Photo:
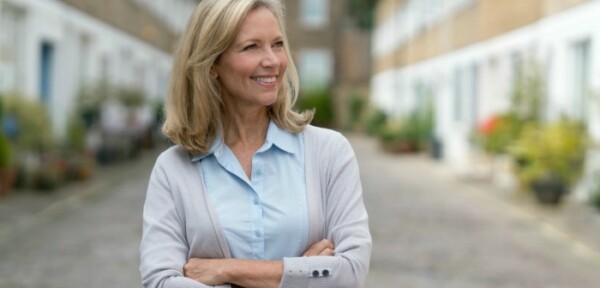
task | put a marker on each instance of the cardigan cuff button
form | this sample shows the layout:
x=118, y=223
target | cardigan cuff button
x=325, y=273
x=315, y=273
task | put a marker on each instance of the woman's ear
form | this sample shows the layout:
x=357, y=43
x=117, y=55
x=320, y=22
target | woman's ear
x=213, y=74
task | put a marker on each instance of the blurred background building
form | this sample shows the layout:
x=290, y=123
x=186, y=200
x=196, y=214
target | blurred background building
x=331, y=51
x=470, y=59
x=51, y=49
x=91, y=76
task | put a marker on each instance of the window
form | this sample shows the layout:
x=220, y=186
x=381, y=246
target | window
x=581, y=75
x=314, y=13
x=316, y=68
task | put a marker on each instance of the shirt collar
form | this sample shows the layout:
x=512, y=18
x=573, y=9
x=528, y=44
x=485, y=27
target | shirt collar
x=284, y=140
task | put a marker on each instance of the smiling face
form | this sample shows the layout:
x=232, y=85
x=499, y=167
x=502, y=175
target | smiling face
x=252, y=69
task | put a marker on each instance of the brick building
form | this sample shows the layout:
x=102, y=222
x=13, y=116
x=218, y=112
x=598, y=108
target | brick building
x=329, y=50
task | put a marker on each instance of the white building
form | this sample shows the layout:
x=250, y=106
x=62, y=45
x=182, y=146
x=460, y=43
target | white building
x=49, y=49
x=466, y=52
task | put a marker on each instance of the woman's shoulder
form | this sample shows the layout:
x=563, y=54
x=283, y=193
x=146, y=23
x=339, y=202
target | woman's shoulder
x=174, y=155
x=324, y=137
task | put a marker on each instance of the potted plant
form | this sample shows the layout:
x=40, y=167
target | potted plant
x=595, y=190
x=7, y=173
x=80, y=163
x=396, y=137
x=549, y=158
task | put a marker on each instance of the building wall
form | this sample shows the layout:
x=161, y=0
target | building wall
x=116, y=41
x=469, y=57
x=334, y=54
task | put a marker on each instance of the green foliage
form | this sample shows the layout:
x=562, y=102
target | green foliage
x=557, y=149
x=499, y=133
x=356, y=109
x=414, y=130
x=375, y=121
x=131, y=97
x=362, y=12
x=90, y=99
x=5, y=149
x=596, y=190
x=35, y=130
x=527, y=95
x=5, y=152
x=321, y=101
x=76, y=133
x=159, y=113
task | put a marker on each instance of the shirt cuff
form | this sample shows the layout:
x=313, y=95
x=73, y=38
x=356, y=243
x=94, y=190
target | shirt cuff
x=295, y=272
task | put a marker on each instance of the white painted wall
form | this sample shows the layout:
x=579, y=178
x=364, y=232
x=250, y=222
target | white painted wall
x=127, y=60
x=549, y=40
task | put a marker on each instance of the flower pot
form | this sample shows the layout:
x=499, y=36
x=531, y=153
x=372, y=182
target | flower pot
x=7, y=181
x=549, y=190
x=399, y=146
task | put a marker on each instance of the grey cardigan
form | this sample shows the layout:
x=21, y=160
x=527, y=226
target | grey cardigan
x=180, y=223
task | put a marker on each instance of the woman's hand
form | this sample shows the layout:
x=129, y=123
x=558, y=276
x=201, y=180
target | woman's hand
x=321, y=248
x=240, y=272
x=211, y=272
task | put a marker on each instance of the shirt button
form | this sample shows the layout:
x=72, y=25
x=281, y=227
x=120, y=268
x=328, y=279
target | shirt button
x=255, y=201
x=257, y=233
x=258, y=172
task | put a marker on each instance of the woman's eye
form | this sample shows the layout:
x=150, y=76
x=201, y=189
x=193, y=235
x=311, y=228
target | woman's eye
x=249, y=47
x=278, y=44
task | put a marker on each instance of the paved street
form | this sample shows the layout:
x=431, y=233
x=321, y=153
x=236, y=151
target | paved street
x=428, y=232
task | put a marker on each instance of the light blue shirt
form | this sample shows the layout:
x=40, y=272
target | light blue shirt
x=265, y=217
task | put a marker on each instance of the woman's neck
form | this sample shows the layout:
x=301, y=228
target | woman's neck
x=248, y=128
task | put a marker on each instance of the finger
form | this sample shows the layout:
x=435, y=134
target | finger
x=327, y=252
x=318, y=247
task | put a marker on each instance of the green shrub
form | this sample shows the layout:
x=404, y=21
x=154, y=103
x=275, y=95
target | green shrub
x=76, y=134
x=131, y=97
x=498, y=133
x=375, y=121
x=356, y=108
x=414, y=130
x=34, y=128
x=596, y=199
x=595, y=190
x=5, y=152
x=556, y=149
x=321, y=101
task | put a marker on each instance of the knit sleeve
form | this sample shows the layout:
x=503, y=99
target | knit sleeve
x=346, y=226
x=164, y=248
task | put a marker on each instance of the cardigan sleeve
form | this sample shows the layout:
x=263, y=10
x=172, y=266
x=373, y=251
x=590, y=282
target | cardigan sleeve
x=164, y=248
x=346, y=226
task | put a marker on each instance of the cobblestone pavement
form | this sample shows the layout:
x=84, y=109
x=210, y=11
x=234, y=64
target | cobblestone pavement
x=428, y=231
x=88, y=239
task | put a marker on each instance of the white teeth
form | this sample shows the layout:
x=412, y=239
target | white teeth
x=265, y=79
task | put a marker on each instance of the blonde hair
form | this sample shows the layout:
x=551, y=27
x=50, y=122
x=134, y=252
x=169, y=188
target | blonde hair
x=194, y=107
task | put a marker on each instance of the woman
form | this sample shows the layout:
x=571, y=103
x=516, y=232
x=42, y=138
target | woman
x=251, y=195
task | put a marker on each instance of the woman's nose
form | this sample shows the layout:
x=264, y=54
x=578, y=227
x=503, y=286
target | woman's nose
x=270, y=58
